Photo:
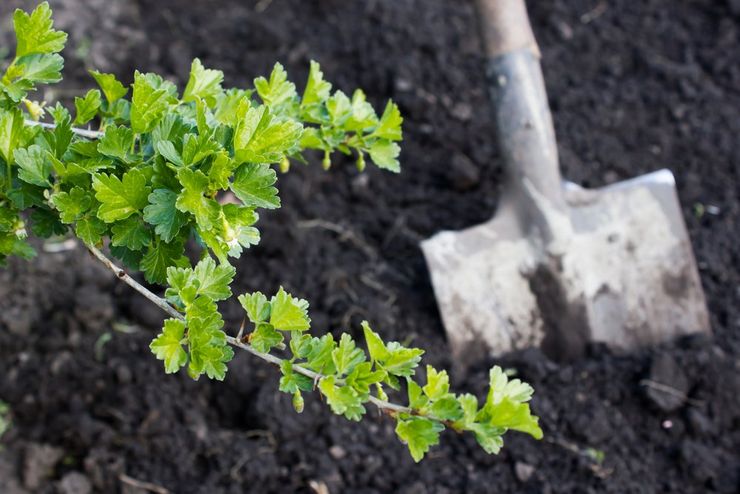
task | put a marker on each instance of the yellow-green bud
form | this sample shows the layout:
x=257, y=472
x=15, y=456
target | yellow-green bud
x=298, y=402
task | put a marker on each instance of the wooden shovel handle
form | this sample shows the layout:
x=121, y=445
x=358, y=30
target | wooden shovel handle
x=505, y=27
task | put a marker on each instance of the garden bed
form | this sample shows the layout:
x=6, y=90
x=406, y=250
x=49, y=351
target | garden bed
x=633, y=88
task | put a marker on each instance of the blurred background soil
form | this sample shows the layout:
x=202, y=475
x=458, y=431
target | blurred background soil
x=634, y=87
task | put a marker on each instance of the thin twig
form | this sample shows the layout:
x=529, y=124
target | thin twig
x=140, y=484
x=90, y=134
x=237, y=342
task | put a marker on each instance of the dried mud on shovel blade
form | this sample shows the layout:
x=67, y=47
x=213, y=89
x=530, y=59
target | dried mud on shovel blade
x=625, y=275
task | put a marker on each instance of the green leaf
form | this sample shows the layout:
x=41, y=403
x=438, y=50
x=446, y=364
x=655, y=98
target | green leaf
x=438, y=383
x=117, y=143
x=196, y=148
x=90, y=230
x=238, y=231
x=278, y=91
x=363, y=376
x=191, y=199
x=45, y=223
x=339, y=108
x=363, y=114
x=346, y=356
x=150, y=100
x=87, y=107
x=288, y=313
x=118, y=198
x=259, y=137
x=319, y=355
x=375, y=345
x=384, y=154
x=207, y=279
x=419, y=434
x=253, y=185
x=343, y=400
x=446, y=408
x=111, y=87
x=291, y=381
x=131, y=233
x=489, y=437
x=160, y=256
x=209, y=351
x=317, y=89
x=168, y=346
x=162, y=213
x=71, y=204
x=37, y=68
x=11, y=132
x=203, y=83
x=401, y=361
x=417, y=399
x=35, y=34
x=33, y=166
x=256, y=306
x=506, y=405
x=213, y=280
x=389, y=126
x=264, y=338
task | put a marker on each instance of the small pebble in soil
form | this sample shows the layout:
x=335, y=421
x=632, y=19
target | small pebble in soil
x=463, y=173
x=523, y=471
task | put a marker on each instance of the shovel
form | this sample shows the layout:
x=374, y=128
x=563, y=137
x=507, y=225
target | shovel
x=560, y=266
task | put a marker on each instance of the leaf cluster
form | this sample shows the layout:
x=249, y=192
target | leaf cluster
x=165, y=168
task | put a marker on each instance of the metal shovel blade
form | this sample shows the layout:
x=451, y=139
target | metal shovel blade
x=623, y=274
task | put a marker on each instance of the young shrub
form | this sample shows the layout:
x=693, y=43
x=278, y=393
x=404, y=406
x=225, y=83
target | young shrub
x=149, y=179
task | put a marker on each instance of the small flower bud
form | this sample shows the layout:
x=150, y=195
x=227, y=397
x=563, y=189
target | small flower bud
x=361, y=162
x=298, y=402
x=285, y=165
x=326, y=164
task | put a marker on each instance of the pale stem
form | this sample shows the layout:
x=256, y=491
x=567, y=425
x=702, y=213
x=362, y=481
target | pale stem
x=169, y=309
x=90, y=134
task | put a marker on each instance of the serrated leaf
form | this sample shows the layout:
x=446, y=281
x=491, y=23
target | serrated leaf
x=150, y=100
x=196, y=148
x=390, y=123
x=417, y=399
x=253, y=185
x=419, y=434
x=118, y=198
x=489, y=437
x=164, y=215
x=375, y=346
x=317, y=89
x=401, y=361
x=45, y=223
x=339, y=108
x=278, y=91
x=343, y=400
x=87, y=107
x=168, y=346
x=438, y=383
x=203, y=83
x=346, y=356
x=256, y=306
x=11, y=132
x=33, y=167
x=506, y=405
x=363, y=376
x=291, y=381
x=319, y=357
x=446, y=408
x=264, y=338
x=213, y=279
x=37, y=68
x=131, y=233
x=71, y=204
x=363, y=115
x=191, y=199
x=259, y=137
x=288, y=313
x=111, y=87
x=116, y=143
x=35, y=33
x=160, y=256
x=384, y=154
x=90, y=229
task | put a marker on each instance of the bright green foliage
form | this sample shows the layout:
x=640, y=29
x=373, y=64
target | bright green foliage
x=87, y=107
x=157, y=174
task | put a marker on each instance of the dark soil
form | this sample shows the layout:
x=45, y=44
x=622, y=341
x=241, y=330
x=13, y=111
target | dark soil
x=634, y=86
